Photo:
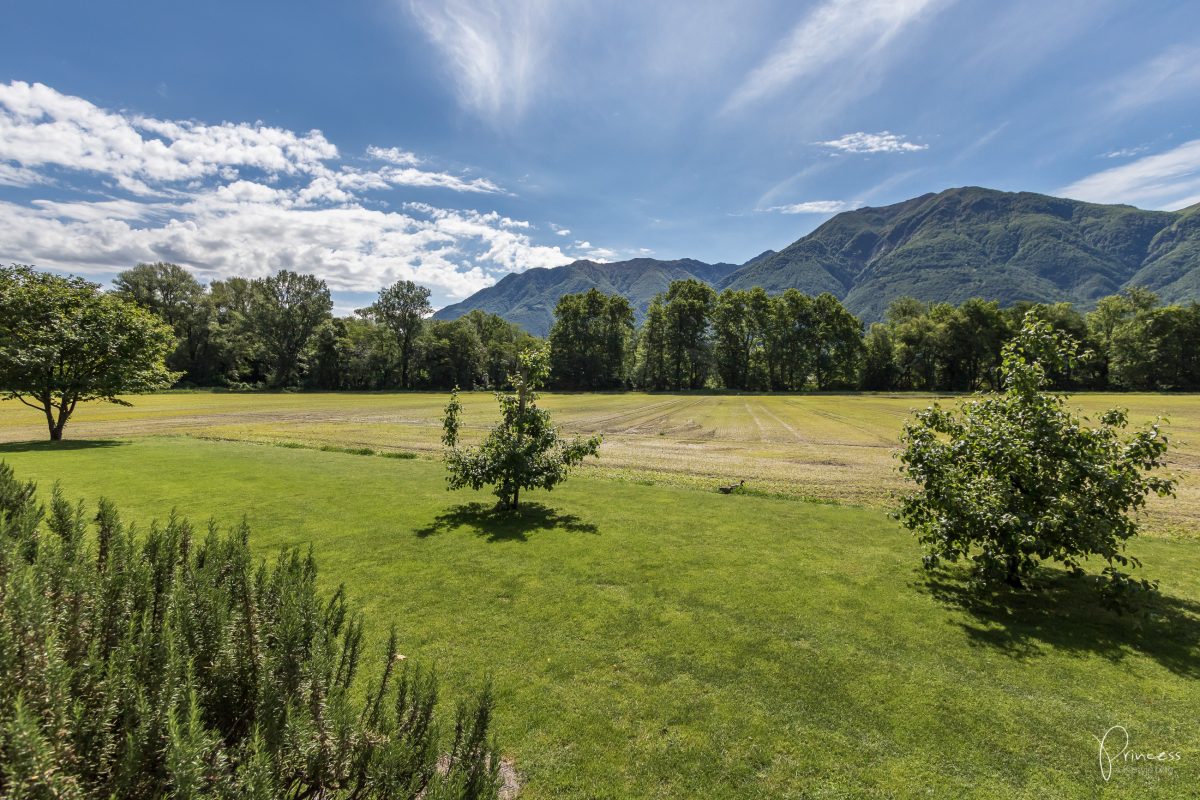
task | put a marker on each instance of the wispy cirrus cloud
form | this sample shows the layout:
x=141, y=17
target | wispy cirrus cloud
x=1170, y=74
x=882, y=142
x=814, y=207
x=237, y=199
x=834, y=32
x=1168, y=180
x=496, y=52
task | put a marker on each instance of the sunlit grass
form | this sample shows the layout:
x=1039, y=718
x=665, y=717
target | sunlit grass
x=651, y=640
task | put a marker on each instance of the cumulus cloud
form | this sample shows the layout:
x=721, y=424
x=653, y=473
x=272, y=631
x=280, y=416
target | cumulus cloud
x=814, y=207
x=1169, y=180
x=236, y=199
x=40, y=127
x=394, y=155
x=882, y=142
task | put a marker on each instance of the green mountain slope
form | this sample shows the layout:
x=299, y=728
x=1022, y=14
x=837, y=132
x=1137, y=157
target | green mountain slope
x=974, y=242
x=528, y=298
x=950, y=246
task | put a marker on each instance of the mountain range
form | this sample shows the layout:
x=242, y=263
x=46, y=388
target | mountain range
x=950, y=246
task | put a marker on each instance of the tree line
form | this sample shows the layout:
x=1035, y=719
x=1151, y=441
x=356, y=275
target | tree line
x=694, y=337
x=280, y=331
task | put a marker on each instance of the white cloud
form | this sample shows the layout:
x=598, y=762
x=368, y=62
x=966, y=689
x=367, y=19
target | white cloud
x=882, y=142
x=835, y=31
x=496, y=51
x=814, y=207
x=41, y=127
x=407, y=176
x=601, y=255
x=1167, y=180
x=236, y=199
x=394, y=155
x=18, y=176
x=560, y=230
x=1125, y=152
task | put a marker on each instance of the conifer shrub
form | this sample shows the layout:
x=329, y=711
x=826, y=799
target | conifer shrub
x=166, y=663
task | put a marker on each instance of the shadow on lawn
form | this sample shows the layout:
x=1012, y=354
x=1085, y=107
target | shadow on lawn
x=47, y=446
x=1064, y=613
x=500, y=525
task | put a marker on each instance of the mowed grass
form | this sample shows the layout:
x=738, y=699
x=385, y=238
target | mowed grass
x=834, y=447
x=667, y=641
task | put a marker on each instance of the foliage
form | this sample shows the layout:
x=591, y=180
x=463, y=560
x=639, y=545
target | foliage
x=170, y=664
x=63, y=342
x=402, y=308
x=285, y=311
x=173, y=294
x=523, y=450
x=1015, y=479
x=590, y=340
x=529, y=298
x=593, y=638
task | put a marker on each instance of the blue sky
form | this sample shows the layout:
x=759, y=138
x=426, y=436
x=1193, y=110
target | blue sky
x=453, y=142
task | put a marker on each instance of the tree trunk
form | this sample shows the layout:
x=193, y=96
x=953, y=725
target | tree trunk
x=405, y=357
x=1013, y=578
x=56, y=433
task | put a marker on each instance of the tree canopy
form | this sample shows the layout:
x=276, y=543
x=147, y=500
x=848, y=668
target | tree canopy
x=523, y=450
x=1015, y=479
x=401, y=307
x=64, y=342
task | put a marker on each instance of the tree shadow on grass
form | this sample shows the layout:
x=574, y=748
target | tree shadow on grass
x=1062, y=612
x=499, y=524
x=47, y=446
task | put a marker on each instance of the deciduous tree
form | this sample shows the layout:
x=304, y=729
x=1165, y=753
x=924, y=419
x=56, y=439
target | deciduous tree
x=1015, y=479
x=64, y=342
x=523, y=450
x=402, y=307
x=285, y=311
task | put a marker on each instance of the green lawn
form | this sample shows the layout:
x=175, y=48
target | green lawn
x=663, y=641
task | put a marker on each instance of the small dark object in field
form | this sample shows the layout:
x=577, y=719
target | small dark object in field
x=729, y=489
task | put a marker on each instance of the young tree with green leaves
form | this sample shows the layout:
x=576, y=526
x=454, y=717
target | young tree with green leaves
x=402, y=307
x=64, y=342
x=285, y=311
x=1016, y=479
x=523, y=450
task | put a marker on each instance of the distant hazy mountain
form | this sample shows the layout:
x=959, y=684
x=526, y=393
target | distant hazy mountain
x=528, y=298
x=951, y=246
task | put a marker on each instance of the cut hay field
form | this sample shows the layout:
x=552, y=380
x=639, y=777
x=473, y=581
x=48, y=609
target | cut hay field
x=651, y=638
x=828, y=447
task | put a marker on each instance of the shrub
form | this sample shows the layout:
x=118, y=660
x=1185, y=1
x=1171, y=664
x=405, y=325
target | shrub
x=1015, y=479
x=139, y=666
